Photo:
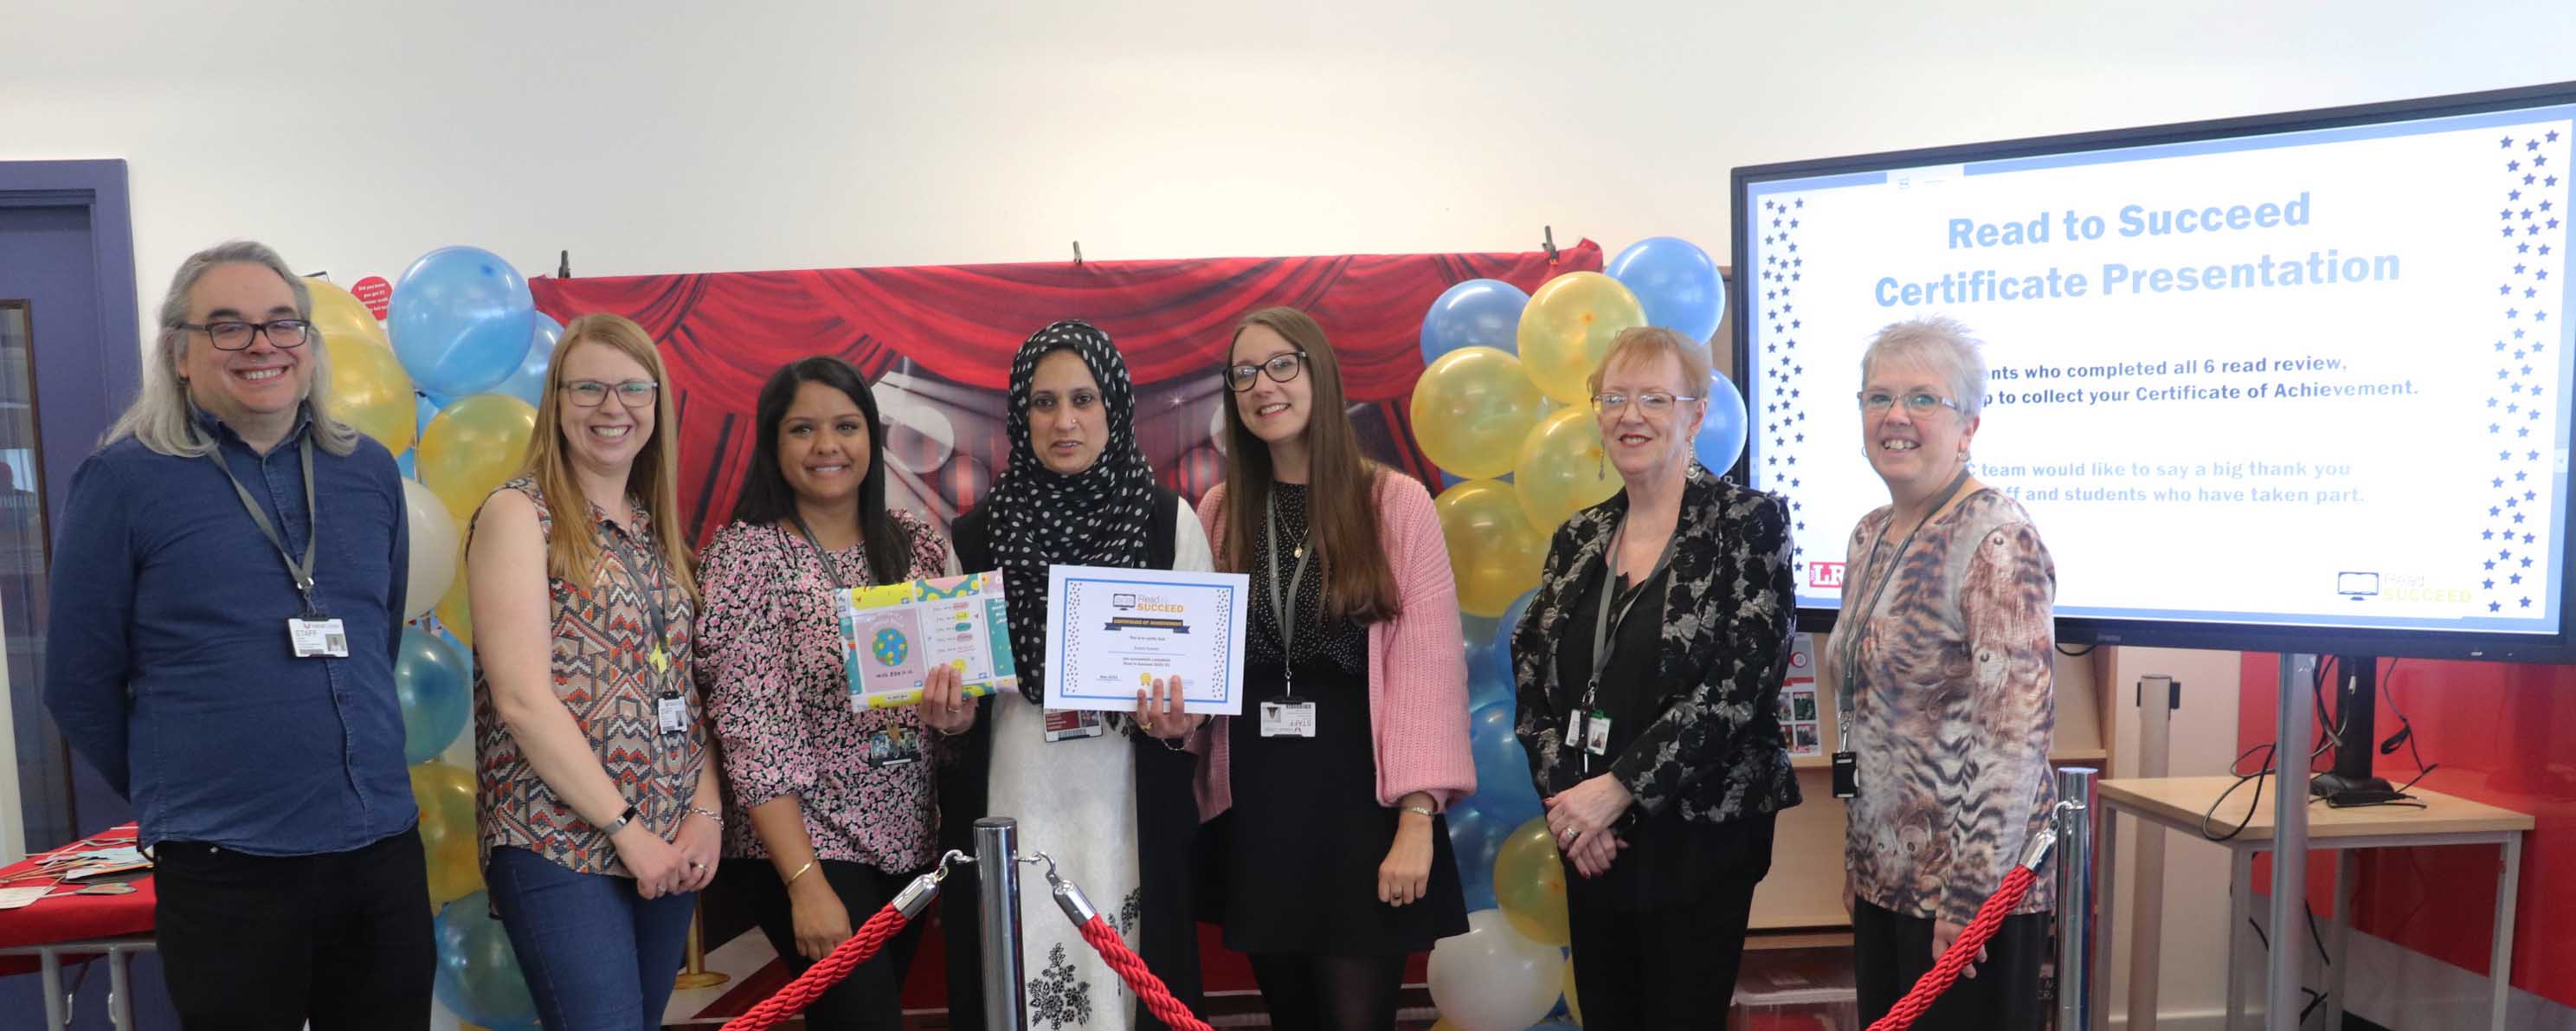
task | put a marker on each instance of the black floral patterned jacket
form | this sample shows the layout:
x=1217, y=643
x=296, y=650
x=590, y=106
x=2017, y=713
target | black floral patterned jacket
x=1715, y=752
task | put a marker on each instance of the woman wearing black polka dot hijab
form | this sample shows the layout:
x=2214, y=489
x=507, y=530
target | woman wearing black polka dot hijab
x=1113, y=807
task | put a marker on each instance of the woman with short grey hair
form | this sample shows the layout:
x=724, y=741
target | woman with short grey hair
x=1941, y=661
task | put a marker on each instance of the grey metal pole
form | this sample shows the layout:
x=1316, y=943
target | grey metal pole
x=2157, y=697
x=2290, y=841
x=997, y=878
x=2074, y=896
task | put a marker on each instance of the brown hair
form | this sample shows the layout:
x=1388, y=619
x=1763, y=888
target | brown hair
x=1342, y=499
x=1644, y=343
x=571, y=549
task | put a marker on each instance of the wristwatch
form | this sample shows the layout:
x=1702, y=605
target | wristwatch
x=619, y=824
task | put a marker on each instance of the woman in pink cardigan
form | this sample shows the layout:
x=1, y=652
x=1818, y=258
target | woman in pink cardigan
x=1336, y=863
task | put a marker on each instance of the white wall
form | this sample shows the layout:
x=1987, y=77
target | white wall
x=657, y=136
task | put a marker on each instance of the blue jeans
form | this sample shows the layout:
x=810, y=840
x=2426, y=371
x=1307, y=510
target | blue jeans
x=598, y=956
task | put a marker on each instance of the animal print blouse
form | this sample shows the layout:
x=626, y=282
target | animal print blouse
x=1953, y=707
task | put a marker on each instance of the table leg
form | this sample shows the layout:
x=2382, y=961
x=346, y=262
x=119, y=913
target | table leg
x=120, y=994
x=2500, y=956
x=57, y=1009
x=2103, y=888
x=2339, y=962
x=2240, y=909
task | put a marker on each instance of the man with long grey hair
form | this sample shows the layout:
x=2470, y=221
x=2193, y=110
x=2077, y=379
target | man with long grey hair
x=227, y=586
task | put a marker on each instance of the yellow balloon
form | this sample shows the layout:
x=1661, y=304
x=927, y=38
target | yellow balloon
x=1470, y=410
x=1561, y=469
x=370, y=390
x=1493, y=552
x=1566, y=330
x=446, y=797
x=342, y=317
x=473, y=446
x=1573, y=1005
x=455, y=610
x=1529, y=883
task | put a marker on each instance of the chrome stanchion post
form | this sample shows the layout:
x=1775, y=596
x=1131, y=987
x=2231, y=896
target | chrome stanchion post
x=2074, y=818
x=997, y=872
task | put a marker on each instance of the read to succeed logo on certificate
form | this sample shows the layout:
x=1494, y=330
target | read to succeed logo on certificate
x=1824, y=574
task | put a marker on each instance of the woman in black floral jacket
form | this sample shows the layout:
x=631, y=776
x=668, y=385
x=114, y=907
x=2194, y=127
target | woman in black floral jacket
x=1652, y=728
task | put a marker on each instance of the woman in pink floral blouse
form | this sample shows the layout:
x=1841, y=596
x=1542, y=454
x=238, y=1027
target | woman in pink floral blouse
x=838, y=801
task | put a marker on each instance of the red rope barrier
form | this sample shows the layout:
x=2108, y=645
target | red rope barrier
x=1990, y=918
x=1104, y=940
x=820, y=977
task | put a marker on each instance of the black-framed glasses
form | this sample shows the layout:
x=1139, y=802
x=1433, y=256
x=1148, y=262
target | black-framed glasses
x=634, y=393
x=1651, y=402
x=232, y=335
x=1920, y=402
x=1281, y=369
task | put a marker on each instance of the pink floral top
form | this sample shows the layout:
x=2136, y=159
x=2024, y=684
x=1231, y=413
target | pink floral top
x=769, y=660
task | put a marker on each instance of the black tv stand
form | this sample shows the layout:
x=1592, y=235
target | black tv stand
x=2355, y=710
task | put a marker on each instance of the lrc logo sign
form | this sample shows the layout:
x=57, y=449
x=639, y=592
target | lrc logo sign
x=1825, y=574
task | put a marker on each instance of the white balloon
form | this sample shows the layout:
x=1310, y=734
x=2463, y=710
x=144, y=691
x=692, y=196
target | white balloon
x=1493, y=979
x=433, y=549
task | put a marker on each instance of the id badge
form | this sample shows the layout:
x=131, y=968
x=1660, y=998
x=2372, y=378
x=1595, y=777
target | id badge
x=1287, y=717
x=1846, y=775
x=318, y=638
x=674, y=714
x=1574, y=727
x=1596, y=733
x=1074, y=724
x=894, y=744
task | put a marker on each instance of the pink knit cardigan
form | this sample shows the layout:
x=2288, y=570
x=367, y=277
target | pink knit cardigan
x=1417, y=665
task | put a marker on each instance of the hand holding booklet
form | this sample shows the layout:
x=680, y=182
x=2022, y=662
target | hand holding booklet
x=893, y=636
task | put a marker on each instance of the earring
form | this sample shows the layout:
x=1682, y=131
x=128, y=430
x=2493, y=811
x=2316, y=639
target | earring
x=1601, y=464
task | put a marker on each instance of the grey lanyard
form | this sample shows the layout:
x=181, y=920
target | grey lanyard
x=1603, y=620
x=1850, y=649
x=650, y=588
x=301, y=571
x=1284, y=608
x=821, y=557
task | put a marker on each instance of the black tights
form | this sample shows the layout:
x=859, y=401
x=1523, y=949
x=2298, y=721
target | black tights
x=1329, y=993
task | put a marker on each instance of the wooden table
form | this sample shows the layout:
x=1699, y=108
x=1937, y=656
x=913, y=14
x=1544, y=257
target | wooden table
x=2181, y=803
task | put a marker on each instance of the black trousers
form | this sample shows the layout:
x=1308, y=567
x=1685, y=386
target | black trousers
x=266, y=943
x=1657, y=944
x=1891, y=951
x=871, y=998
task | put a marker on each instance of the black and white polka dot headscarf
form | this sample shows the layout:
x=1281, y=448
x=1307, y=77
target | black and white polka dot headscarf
x=1097, y=517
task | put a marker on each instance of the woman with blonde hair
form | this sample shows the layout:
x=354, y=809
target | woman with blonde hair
x=597, y=814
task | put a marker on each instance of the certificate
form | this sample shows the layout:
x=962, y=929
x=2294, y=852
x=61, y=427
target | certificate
x=892, y=636
x=1113, y=632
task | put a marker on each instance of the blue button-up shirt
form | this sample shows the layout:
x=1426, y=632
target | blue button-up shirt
x=168, y=664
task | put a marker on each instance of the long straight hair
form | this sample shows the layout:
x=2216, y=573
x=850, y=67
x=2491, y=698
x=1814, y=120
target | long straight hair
x=767, y=498
x=162, y=417
x=572, y=550
x=1341, y=499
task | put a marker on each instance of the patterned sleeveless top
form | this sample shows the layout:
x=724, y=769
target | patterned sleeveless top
x=603, y=673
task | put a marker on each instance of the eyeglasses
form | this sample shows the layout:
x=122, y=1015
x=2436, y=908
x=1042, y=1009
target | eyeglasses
x=634, y=393
x=1281, y=368
x=1651, y=402
x=1920, y=402
x=235, y=336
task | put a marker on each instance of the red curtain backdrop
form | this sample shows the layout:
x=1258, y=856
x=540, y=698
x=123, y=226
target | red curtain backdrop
x=723, y=334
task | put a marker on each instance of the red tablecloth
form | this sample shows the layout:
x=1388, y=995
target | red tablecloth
x=68, y=917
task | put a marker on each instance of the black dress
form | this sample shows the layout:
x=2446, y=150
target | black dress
x=1306, y=833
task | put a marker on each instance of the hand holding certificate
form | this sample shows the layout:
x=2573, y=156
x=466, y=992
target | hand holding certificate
x=893, y=636
x=1112, y=633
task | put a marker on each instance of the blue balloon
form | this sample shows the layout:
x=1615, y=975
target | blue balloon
x=403, y=464
x=1476, y=313
x=1489, y=675
x=529, y=383
x=1511, y=622
x=1475, y=838
x=478, y=973
x=1501, y=765
x=1721, y=435
x=426, y=408
x=1675, y=282
x=429, y=681
x=461, y=321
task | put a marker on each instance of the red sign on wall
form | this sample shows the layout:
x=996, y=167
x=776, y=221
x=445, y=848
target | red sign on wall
x=375, y=293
